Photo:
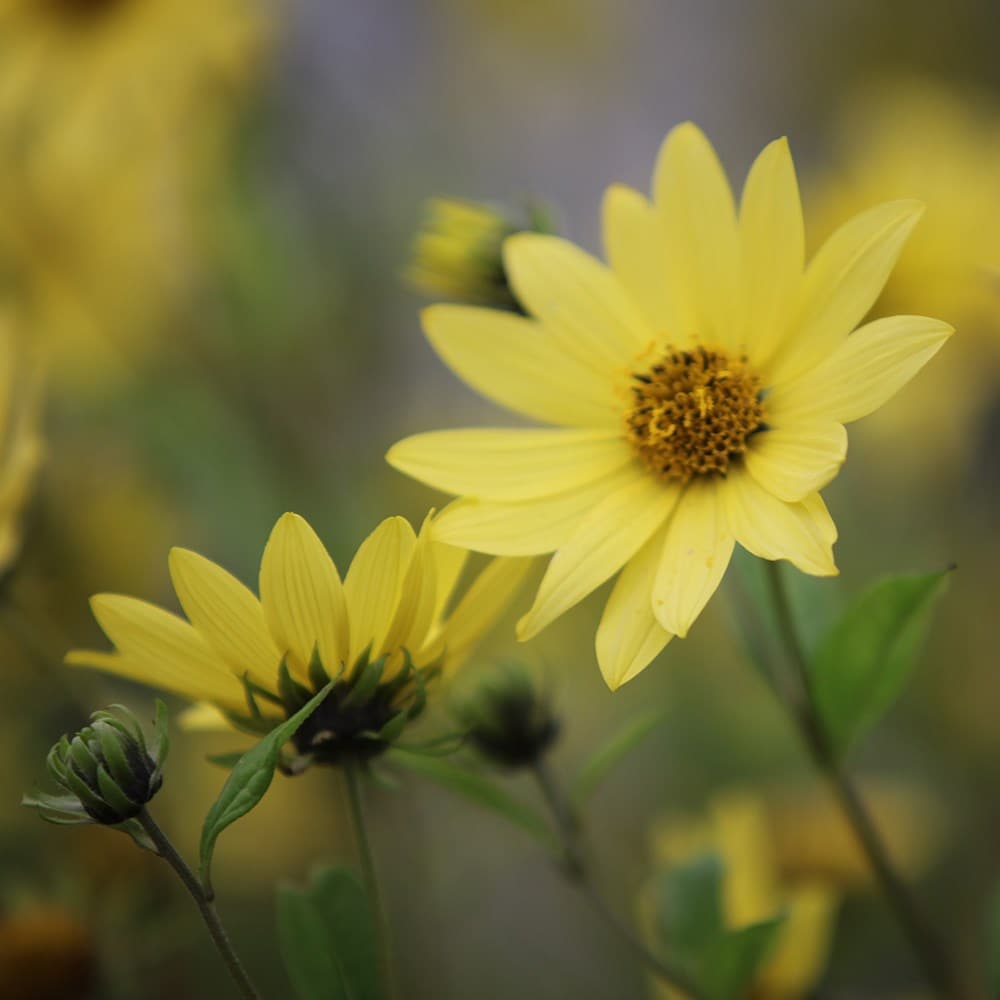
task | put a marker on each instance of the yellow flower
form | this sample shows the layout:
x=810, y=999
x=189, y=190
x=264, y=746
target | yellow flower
x=111, y=116
x=457, y=254
x=21, y=449
x=239, y=655
x=736, y=830
x=700, y=383
x=941, y=145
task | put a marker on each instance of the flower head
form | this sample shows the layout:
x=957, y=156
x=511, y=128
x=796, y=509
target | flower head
x=382, y=635
x=699, y=386
x=458, y=252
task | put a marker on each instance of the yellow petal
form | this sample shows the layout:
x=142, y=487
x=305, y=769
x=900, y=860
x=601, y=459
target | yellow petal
x=523, y=365
x=417, y=599
x=803, y=533
x=698, y=546
x=577, y=297
x=604, y=541
x=529, y=527
x=499, y=464
x=635, y=245
x=374, y=583
x=449, y=561
x=629, y=637
x=302, y=596
x=868, y=369
x=227, y=614
x=842, y=283
x=794, y=461
x=481, y=607
x=205, y=718
x=799, y=956
x=772, y=241
x=696, y=203
x=157, y=648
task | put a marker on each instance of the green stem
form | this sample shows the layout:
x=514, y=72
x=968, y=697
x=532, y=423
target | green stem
x=932, y=956
x=352, y=781
x=578, y=872
x=206, y=906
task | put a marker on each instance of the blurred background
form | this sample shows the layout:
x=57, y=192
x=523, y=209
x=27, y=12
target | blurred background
x=206, y=212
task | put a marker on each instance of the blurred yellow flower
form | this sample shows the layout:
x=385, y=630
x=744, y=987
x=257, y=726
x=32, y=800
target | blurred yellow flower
x=700, y=384
x=307, y=627
x=21, y=448
x=736, y=830
x=941, y=145
x=111, y=116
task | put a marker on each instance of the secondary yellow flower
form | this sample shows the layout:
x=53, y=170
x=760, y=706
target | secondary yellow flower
x=941, y=145
x=736, y=830
x=251, y=661
x=112, y=114
x=700, y=383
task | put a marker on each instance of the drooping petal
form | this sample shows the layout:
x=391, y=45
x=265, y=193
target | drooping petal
x=302, y=596
x=482, y=606
x=693, y=195
x=868, y=369
x=417, y=599
x=794, y=461
x=577, y=296
x=527, y=527
x=635, y=245
x=449, y=561
x=158, y=648
x=501, y=464
x=522, y=364
x=772, y=241
x=842, y=283
x=227, y=614
x=374, y=582
x=695, y=554
x=604, y=541
x=205, y=717
x=629, y=637
x=803, y=533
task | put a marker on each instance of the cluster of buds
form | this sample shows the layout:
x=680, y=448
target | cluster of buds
x=506, y=718
x=106, y=772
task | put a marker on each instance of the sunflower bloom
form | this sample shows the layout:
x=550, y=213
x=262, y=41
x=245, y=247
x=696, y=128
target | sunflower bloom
x=699, y=385
x=250, y=662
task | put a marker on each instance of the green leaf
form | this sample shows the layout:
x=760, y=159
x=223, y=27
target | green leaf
x=304, y=941
x=863, y=664
x=326, y=933
x=249, y=779
x=607, y=756
x=691, y=932
x=476, y=788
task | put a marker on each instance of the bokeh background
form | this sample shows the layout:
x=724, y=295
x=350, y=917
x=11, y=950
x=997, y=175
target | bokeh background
x=205, y=214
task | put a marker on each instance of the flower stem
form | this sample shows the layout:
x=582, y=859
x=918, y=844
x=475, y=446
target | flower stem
x=932, y=956
x=577, y=870
x=206, y=906
x=352, y=782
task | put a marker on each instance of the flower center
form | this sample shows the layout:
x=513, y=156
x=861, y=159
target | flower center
x=692, y=413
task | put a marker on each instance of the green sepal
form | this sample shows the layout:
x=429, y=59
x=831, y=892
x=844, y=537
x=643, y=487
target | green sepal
x=365, y=683
x=226, y=760
x=293, y=694
x=114, y=797
x=161, y=735
x=318, y=676
x=248, y=781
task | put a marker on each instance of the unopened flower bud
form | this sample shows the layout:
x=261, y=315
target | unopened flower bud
x=106, y=771
x=506, y=717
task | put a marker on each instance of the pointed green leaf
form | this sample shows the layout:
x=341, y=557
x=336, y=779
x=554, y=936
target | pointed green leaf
x=735, y=958
x=249, y=780
x=596, y=768
x=863, y=664
x=476, y=788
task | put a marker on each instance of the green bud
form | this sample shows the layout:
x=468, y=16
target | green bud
x=106, y=772
x=506, y=717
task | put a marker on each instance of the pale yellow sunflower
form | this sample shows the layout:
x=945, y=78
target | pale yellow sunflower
x=699, y=384
x=251, y=661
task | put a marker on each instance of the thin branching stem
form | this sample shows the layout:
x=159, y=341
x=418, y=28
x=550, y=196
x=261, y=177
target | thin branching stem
x=933, y=957
x=578, y=871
